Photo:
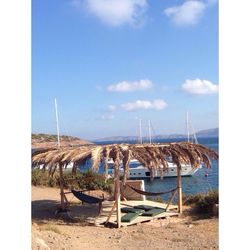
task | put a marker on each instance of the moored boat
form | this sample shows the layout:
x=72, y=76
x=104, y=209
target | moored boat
x=137, y=170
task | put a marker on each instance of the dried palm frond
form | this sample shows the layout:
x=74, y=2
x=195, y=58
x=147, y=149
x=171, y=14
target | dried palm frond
x=106, y=152
x=140, y=154
x=96, y=156
x=152, y=156
x=125, y=161
x=82, y=155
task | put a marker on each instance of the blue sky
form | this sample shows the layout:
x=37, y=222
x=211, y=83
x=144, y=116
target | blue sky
x=111, y=62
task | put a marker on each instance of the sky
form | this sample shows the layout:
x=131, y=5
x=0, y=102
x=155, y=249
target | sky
x=110, y=63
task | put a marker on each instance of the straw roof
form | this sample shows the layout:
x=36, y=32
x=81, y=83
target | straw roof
x=152, y=156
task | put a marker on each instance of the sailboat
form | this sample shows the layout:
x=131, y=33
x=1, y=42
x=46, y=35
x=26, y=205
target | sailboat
x=69, y=166
x=138, y=171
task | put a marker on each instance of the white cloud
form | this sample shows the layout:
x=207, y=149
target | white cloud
x=107, y=117
x=199, y=87
x=130, y=86
x=189, y=13
x=142, y=104
x=111, y=108
x=115, y=12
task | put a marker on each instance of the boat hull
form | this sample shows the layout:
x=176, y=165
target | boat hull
x=142, y=172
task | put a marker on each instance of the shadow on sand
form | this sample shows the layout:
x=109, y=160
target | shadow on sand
x=44, y=211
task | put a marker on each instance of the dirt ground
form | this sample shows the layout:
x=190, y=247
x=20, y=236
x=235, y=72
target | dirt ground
x=51, y=231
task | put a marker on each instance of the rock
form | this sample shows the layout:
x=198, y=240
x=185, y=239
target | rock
x=34, y=224
x=42, y=245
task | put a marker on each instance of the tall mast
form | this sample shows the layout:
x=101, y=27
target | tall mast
x=140, y=134
x=149, y=131
x=187, y=124
x=194, y=134
x=57, y=126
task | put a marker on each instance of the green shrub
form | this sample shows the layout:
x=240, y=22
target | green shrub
x=88, y=180
x=192, y=199
x=39, y=177
x=203, y=202
x=52, y=182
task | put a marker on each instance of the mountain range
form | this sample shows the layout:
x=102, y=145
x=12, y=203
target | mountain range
x=208, y=133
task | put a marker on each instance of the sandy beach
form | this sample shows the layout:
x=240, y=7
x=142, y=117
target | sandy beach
x=51, y=231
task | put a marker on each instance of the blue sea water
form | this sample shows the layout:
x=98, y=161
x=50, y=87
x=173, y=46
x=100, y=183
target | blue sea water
x=190, y=184
x=197, y=183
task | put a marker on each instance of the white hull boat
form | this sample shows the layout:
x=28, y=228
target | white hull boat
x=139, y=171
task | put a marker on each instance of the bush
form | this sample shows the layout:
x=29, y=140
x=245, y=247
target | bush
x=40, y=177
x=88, y=180
x=52, y=182
x=203, y=203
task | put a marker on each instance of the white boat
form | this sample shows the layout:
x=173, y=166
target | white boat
x=137, y=170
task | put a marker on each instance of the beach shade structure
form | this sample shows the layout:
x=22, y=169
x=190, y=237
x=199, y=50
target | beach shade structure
x=152, y=156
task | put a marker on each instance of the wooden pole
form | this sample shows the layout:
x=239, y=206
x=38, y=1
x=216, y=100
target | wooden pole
x=111, y=212
x=179, y=189
x=117, y=194
x=61, y=186
x=171, y=199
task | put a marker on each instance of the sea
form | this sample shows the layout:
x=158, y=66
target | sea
x=202, y=181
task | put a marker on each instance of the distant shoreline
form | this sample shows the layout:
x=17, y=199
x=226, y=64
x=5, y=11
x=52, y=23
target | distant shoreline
x=208, y=133
x=154, y=140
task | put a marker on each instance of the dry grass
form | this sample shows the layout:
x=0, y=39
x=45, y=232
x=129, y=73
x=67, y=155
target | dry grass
x=50, y=227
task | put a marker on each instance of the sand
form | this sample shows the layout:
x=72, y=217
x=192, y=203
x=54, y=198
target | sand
x=51, y=231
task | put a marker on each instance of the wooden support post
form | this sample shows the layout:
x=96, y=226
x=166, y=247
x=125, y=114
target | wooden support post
x=61, y=186
x=65, y=198
x=117, y=194
x=171, y=199
x=179, y=189
x=111, y=212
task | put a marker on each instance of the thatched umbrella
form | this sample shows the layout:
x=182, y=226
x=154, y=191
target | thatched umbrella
x=152, y=156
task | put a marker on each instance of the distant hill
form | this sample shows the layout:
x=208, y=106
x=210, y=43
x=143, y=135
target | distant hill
x=214, y=132
x=200, y=134
x=48, y=141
